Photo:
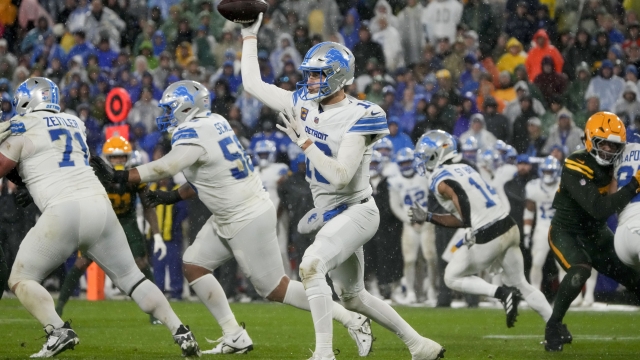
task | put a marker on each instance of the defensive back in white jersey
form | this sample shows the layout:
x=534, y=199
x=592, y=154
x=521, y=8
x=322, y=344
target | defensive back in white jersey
x=413, y=190
x=224, y=178
x=485, y=204
x=628, y=165
x=53, y=157
x=542, y=195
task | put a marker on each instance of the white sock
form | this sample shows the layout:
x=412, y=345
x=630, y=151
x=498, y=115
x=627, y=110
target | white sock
x=37, y=300
x=151, y=300
x=410, y=276
x=321, y=305
x=297, y=297
x=471, y=285
x=213, y=297
x=538, y=302
x=385, y=315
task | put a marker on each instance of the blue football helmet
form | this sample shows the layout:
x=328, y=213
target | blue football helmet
x=510, y=155
x=404, y=159
x=433, y=149
x=469, y=149
x=549, y=170
x=385, y=147
x=490, y=160
x=181, y=102
x=334, y=66
x=375, y=166
x=35, y=94
x=264, y=153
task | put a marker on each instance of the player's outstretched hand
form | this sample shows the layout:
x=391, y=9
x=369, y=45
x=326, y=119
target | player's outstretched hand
x=106, y=173
x=159, y=245
x=252, y=28
x=418, y=214
x=152, y=199
x=291, y=127
x=23, y=198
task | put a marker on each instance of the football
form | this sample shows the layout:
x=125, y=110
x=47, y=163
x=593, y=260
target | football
x=242, y=11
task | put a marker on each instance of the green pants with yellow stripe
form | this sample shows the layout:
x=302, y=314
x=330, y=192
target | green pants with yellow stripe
x=594, y=249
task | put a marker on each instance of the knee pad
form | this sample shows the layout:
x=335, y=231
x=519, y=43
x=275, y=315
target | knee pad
x=312, y=267
x=578, y=275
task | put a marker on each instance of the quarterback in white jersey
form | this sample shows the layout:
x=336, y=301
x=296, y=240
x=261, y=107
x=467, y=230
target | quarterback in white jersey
x=336, y=133
x=627, y=238
x=272, y=174
x=406, y=189
x=243, y=224
x=49, y=149
x=492, y=235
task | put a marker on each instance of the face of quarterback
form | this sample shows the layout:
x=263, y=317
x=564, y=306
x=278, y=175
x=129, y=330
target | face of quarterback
x=314, y=80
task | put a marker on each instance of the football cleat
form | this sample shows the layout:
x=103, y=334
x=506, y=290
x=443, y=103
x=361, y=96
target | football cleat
x=510, y=302
x=566, y=336
x=427, y=349
x=238, y=343
x=361, y=333
x=553, y=339
x=315, y=356
x=58, y=340
x=187, y=341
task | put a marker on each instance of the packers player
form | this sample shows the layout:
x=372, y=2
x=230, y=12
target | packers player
x=579, y=237
x=118, y=152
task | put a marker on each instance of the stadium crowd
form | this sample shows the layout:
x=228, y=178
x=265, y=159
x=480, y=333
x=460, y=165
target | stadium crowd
x=524, y=73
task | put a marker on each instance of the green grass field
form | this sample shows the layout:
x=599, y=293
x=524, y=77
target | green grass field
x=118, y=330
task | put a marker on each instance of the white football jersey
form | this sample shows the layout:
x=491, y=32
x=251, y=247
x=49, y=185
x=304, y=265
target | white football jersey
x=270, y=176
x=503, y=174
x=542, y=195
x=486, y=207
x=326, y=128
x=54, y=161
x=628, y=165
x=411, y=191
x=224, y=178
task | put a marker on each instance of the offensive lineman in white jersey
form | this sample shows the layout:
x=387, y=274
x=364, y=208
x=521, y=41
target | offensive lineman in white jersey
x=272, y=174
x=49, y=148
x=336, y=133
x=627, y=237
x=405, y=190
x=492, y=235
x=243, y=224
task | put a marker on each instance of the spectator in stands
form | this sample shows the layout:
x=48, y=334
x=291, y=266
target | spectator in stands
x=627, y=106
x=366, y=49
x=520, y=133
x=445, y=86
x=399, y=139
x=284, y=51
x=606, y=86
x=454, y=62
x=267, y=121
x=592, y=107
x=430, y=118
x=412, y=31
x=391, y=41
x=549, y=81
x=477, y=129
x=163, y=70
x=468, y=108
x=446, y=112
x=48, y=50
x=507, y=91
x=521, y=74
x=541, y=49
x=550, y=118
x=251, y=108
x=203, y=45
x=102, y=21
x=106, y=55
x=513, y=109
x=496, y=123
x=575, y=94
x=145, y=111
x=601, y=46
x=184, y=33
x=565, y=134
x=479, y=17
x=222, y=98
x=544, y=21
x=578, y=53
x=383, y=10
x=438, y=26
x=349, y=29
x=608, y=24
x=35, y=36
x=537, y=140
x=514, y=57
x=82, y=47
x=633, y=37
x=93, y=128
x=520, y=24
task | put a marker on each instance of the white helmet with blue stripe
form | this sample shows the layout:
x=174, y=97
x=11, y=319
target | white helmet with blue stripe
x=469, y=148
x=490, y=160
x=35, y=94
x=549, y=170
x=332, y=64
x=181, y=102
x=264, y=153
x=376, y=164
x=433, y=149
x=385, y=147
x=404, y=159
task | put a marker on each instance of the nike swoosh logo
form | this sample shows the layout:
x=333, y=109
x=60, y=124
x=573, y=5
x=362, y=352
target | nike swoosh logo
x=580, y=161
x=236, y=339
x=375, y=113
x=295, y=132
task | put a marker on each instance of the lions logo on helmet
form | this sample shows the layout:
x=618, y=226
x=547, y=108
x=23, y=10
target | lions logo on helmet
x=181, y=102
x=549, y=170
x=35, y=94
x=433, y=149
x=605, y=137
x=404, y=159
x=327, y=67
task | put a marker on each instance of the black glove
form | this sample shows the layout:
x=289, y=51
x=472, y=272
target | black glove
x=154, y=198
x=106, y=173
x=14, y=177
x=23, y=198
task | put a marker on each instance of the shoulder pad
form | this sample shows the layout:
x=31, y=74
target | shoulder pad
x=576, y=163
x=438, y=175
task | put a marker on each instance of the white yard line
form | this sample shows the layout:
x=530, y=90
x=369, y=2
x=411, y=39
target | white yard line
x=577, y=337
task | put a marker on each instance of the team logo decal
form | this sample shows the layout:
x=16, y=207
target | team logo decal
x=303, y=113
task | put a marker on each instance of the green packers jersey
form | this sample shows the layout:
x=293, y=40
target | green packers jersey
x=123, y=198
x=581, y=203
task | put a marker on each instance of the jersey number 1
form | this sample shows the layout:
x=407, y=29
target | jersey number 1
x=56, y=134
x=327, y=151
x=489, y=203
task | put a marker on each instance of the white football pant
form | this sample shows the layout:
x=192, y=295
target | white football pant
x=627, y=244
x=415, y=238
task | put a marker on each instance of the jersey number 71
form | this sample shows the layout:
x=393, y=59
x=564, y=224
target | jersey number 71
x=56, y=134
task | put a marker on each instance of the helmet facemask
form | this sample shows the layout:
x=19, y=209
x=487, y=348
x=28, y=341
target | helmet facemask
x=315, y=83
x=606, y=157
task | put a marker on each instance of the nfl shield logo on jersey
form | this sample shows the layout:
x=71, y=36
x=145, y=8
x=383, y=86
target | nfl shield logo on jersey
x=316, y=120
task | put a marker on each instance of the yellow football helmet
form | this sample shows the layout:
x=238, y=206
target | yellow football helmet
x=117, y=146
x=606, y=127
